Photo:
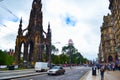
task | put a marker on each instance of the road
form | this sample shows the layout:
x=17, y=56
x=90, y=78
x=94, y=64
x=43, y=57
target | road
x=71, y=74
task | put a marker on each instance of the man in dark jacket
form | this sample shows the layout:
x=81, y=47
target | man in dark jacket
x=102, y=70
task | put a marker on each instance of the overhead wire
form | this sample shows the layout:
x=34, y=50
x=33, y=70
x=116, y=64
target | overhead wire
x=5, y=26
x=9, y=11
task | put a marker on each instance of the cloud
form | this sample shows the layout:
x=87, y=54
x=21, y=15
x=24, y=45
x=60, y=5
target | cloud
x=88, y=17
x=8, y=35
x=85, y=17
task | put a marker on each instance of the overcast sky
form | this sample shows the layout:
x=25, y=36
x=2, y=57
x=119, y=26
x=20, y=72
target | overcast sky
x=79, y=20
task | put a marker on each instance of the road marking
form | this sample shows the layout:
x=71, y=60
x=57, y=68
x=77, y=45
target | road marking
x=84, y=76
x=82, y=71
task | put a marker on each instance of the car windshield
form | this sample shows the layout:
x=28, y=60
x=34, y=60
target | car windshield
x=56, y=67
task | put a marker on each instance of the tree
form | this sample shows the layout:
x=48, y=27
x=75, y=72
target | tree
x=54, y=49
x=65, y=49
x=76, y=57
x=55, y=59
x=5, y=59
x=2, y=58
x=63, y=58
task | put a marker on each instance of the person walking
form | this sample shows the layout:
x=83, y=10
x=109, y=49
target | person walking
x=98, y=67
x=102, y=70
x=113, y=67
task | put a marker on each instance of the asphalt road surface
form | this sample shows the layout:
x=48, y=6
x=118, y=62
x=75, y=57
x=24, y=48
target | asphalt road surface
x=71, y=74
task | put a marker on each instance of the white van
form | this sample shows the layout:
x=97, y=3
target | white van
x=41, y=66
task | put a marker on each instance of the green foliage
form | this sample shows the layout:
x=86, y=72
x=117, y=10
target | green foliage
x=5, y=59
x=64, y=49
x=2, y=57
x=60, y=59
x=63, y=58
x=55, y=59
x=54, y=49
x=67, y=53
x=76, y=57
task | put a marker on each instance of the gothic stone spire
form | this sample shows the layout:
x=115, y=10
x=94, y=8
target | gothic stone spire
x=35, y=22
x=20, y=27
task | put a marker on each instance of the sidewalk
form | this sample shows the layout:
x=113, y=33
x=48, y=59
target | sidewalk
x=109, y=75
x=11, y=74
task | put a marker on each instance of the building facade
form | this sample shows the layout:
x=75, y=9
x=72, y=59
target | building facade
x=115, y=12
x=110, y=33
x=108, y=40
x=36, y=43
x=100, y=54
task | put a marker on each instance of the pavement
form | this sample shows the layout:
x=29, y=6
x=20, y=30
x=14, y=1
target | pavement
x=109, y=75
x=18, y=75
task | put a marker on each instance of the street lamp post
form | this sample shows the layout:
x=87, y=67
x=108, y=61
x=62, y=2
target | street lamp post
x=70, y=44
x=49, y=61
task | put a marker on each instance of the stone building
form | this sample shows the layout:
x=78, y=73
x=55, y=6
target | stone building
x=115, y=12
x=100, y=54
x=11, y=52
x=36, y=43
x=110, y=33
x=108, y=40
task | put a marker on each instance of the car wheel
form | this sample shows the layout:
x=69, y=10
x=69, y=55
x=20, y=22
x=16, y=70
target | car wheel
x=48, y=74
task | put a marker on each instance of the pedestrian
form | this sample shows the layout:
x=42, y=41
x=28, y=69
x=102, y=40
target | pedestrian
x=119, y=67
x=113, y=67
x=102, y=70
x=98, y=67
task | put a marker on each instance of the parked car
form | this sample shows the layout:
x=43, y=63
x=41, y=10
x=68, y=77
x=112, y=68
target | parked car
x=41, y=66
x=56, y=70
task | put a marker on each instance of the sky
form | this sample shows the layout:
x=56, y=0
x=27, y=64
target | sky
x=79, y=20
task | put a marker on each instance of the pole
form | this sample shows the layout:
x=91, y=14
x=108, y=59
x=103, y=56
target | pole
x=70, y=56
x=50, y=55
x=70, y=44
x=49, y=44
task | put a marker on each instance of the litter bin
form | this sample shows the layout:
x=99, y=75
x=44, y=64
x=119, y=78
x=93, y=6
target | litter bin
x=94, y=71
x=11, y=67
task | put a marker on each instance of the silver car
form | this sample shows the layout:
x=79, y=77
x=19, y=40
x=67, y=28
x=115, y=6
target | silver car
x=56, y=70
